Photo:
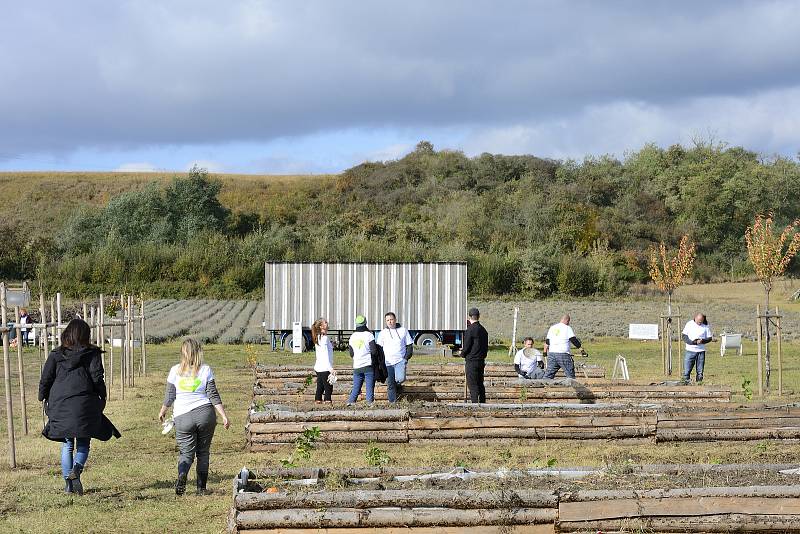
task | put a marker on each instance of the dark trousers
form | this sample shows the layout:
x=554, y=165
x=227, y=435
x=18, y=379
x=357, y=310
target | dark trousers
x=559, y=360
x=474, y=371
x=323, y=387
x=193, y=432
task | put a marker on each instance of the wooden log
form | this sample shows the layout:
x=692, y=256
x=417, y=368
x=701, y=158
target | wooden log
x=361, y=499
x=529, y=422
x=544, y=528
x=383, y=414
x=391, y=517
x=383, y=436
x=694, y=506
x=615, y=432
x=325, y=426
x=732, y=434
x=706, y=524
x=787, y=491
x=732, y=423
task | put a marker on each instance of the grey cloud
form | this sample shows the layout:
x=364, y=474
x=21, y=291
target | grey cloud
x=129, y=74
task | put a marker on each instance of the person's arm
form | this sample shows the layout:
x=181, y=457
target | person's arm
x=409, y=351
x=216, y=400
x=688, y=341
x=467, y=345
x=518, y=370
x=169, y=399
x=575, y=342
x=373, y=348
x=97, y=374
x=47, y=379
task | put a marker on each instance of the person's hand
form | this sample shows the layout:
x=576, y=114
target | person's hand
x=161, y=415
x=225, y=422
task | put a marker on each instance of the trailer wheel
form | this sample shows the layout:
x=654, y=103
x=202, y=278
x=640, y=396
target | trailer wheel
x=427, y=340
x=288, y=343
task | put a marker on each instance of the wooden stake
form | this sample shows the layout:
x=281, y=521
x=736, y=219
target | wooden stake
x=12, y=452
x=85, y=312
x=53, y=331
x=144, y=345
x=21, y=375
x=58, y=311
x=102, y=342
x=132, y=352
x=780, y=353
x=758, y=340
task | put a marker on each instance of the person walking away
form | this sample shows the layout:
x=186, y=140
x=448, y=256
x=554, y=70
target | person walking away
x=323, y=365
x=528, y=362
x=24, y=319
x=362, y=348
x=192, y=393
x=695, y=335
x=474, y=351
x=398, y=347
x=557, y=347
x=73, y=389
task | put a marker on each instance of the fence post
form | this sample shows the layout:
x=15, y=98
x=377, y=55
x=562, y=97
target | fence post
x=21, y=374
x=12, y=452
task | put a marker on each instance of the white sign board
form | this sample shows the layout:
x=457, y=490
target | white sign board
x=297, y=337
x=643, y=331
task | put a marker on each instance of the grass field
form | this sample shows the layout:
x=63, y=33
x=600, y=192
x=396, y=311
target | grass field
x=130, y=481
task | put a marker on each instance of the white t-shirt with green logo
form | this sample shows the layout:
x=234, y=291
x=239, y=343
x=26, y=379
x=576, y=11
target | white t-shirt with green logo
x=190, y=391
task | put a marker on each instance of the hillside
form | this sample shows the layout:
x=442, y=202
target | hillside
x=527, y=226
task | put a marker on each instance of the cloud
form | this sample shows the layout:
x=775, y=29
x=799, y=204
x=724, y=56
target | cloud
x=137, y=167
x=205, y=73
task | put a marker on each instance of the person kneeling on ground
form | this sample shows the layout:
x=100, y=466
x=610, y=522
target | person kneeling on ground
x=192, y=389
x=528, y=362
x=362, y=348
x=397, y=349
x=557, y=346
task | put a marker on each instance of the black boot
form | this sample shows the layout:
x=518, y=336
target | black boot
x=75, y=478
x=202, y=480
x=183, y=474
x=68, y=486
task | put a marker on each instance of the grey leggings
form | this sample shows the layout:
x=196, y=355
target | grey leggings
x=193, y=432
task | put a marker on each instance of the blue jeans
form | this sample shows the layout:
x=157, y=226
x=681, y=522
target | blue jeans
x=81, y=448
x=396, y=375
x=358, y=379
x=562, y=360
x=696, y=360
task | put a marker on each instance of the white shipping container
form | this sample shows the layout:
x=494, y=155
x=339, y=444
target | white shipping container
x=425, y=296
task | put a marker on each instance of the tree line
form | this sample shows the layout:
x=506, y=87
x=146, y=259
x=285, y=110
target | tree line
x=527, y=226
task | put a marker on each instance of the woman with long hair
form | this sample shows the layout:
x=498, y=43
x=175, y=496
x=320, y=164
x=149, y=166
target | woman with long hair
x=323, y=365
x=74, y=393
x=192, y=393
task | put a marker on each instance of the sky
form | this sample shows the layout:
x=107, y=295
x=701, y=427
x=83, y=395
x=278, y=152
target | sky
x=317, y=86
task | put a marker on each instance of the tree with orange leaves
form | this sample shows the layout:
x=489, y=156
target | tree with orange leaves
x=668, y=271
x=770, y=254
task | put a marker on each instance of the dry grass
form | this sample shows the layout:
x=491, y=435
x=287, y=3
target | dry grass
x=742, y=293
x=130, y=481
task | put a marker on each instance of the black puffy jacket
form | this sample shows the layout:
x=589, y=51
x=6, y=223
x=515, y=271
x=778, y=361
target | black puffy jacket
x=74, y=392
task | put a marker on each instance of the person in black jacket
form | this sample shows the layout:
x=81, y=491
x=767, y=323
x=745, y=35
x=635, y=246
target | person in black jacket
x=473, y=350
x=74, y=392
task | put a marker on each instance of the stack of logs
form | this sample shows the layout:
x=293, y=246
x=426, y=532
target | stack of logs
x=362, y=504
x=446, y=383
x=459, y=423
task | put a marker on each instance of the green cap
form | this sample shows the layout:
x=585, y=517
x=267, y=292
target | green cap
x=361, y=320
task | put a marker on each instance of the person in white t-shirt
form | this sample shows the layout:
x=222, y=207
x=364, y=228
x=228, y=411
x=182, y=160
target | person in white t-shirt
x=323, y=365
x=557, y=343
x=397, y=349
x=192, y=393
x=529, y=367
x=695, y=335
x=362, y=347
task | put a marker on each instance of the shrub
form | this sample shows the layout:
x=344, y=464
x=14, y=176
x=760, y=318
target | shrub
x=576, y=277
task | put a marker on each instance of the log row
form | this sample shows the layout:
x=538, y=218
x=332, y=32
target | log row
x=706, y=509
x=436, y=423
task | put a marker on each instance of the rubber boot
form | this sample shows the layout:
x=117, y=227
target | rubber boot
x=75, y=477
x=68, y=486
x=183, y=474
x=202, y=480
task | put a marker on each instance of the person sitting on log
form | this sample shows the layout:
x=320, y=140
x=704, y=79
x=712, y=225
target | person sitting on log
x=528, y=362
